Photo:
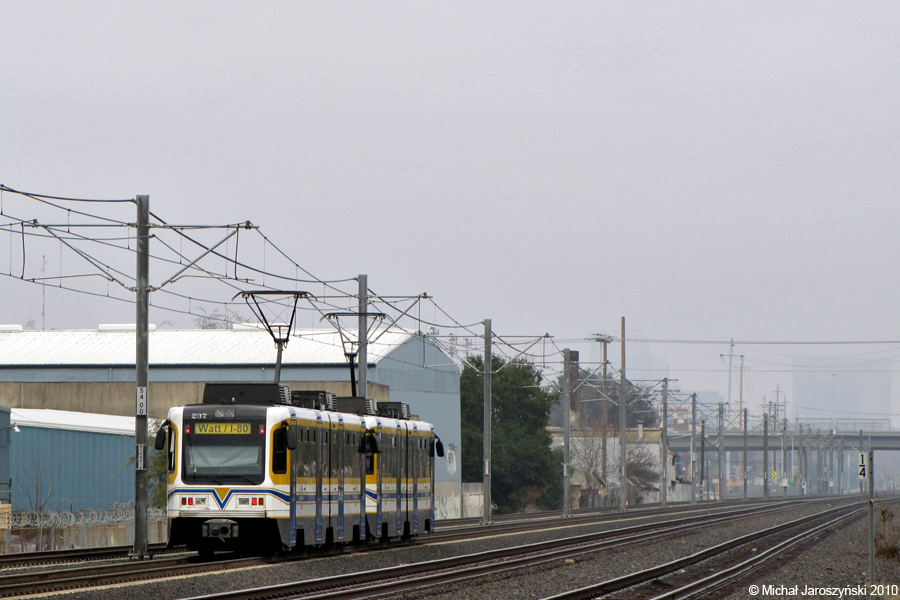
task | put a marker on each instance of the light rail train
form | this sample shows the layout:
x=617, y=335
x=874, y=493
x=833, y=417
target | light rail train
x=258, y=468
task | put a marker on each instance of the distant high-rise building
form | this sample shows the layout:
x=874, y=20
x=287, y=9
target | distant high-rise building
x=842, y=393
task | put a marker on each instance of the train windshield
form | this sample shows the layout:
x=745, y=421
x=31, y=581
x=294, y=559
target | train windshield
x=224, y=453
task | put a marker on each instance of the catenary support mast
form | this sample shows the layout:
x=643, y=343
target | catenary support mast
x=363, y=333
x=623, y=407
x=142, y=367
x=486, y=515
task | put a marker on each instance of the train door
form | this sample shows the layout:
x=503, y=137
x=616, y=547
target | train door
x=381, y=486
x=380, y=492
x=319, y=438
x=416, y=466
x=310, y=509
x=330, y=477
x=340, y=448
x=362, y=469
x=403, y=474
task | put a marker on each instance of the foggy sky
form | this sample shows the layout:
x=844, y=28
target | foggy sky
x=708, y=170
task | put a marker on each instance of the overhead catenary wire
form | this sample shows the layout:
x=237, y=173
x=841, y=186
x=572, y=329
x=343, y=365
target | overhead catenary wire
x=225, y=273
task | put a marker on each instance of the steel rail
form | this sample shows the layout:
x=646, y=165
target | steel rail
x=429, y=573
x=45, y=557
x=652, y=573
x=132, y=571
x=739, y=571
x=515, y=523
x=89, y=577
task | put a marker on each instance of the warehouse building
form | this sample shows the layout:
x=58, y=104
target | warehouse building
x=92, y=371
x=6, y=431
x=69, y=461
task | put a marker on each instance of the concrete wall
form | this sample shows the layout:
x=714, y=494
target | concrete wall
x=454, y=500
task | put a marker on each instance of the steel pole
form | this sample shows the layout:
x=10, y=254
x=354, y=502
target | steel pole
x=604, y=422
x=363, y=334
x=870, y=473
x=623, y=407
x=665, y=443
x=566, y=406
x=766, y=455
x=693, y=444
x=142, y=368
x=721, y=453
x=744, y=455
x=486, y=514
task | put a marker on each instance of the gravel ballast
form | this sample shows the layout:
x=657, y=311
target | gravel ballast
x=537, y=582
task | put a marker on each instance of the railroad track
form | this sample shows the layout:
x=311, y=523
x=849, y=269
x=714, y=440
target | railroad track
x=55, y=557
x=653, y=508
x=395, y=580
x=691, y=586
x=741, y=570
x=509, y=524
x=87, y=576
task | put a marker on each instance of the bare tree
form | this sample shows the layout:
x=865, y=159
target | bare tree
x=39, y=488
x=586, y=454
x=217, y=319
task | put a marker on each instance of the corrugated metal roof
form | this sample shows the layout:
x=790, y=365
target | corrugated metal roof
x=71, y=421
x=182, y=347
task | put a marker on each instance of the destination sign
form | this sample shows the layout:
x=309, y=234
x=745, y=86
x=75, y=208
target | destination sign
x=222, y=428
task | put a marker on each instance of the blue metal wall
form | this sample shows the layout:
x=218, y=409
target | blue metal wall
x=420, y=374
x=78, y=470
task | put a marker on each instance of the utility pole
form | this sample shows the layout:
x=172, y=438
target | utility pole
x=142, y=368
x=703, y=457
x=783, y=461
x=720, y=455
x=604, y=414
x=870, y=473
x=604, y=406
x=623, y=407
x=567, y=409
x=840, y=468
x=363, y=335
x=831, y=468
x=766, y=455
x=779, y=393
x=743, y=417
x=744, y=455
x=693, y=442
x=721, y=452
x=665, y=443
x=486, y=514
x=730, y=358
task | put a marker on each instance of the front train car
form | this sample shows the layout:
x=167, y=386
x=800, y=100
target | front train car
x=256, y=468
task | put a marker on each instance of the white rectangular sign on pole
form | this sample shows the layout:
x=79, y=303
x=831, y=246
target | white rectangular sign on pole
x=141, y=405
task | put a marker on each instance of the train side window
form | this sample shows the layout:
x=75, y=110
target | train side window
x=171, y=449
x=279, y=451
